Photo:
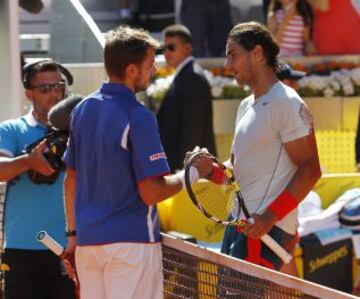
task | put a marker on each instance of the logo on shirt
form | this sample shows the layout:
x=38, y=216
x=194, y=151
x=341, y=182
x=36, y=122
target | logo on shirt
x=306, y=116
x=157, y=156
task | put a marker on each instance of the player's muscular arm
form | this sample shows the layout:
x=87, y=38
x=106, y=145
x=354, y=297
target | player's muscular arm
x=154, y=190
x=303, y=153
x=12, y=167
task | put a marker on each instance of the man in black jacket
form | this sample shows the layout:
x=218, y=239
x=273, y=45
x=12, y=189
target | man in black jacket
x=185, y=117
x=209, y=22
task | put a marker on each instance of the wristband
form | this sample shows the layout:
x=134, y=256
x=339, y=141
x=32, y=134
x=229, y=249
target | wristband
x=283, y=204
x=70, y=233
x=193, y=176
x=217, y=175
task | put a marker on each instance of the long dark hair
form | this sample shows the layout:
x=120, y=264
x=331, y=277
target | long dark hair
x=303, y=8
x=251, y=34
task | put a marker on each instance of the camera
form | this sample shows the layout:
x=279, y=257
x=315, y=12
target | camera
x=56, y=138
x=56, y=141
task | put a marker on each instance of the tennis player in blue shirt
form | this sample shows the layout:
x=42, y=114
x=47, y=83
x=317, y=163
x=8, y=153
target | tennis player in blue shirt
x=116, y=169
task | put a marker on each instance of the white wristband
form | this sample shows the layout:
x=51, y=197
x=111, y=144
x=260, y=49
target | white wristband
x=193, y=174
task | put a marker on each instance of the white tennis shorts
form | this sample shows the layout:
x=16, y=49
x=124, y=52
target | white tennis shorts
x=120, y=271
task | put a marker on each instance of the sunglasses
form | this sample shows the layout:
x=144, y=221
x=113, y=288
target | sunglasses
x=47, y=87
x=170, y=47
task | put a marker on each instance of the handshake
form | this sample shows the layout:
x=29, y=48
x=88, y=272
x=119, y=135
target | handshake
x=199, y=163
x=55, y=140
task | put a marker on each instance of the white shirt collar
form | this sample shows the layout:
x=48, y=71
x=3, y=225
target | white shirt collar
x=182, y=65
x=30, y=119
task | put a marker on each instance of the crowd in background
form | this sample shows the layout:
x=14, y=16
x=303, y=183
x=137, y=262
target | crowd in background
x=302, y=27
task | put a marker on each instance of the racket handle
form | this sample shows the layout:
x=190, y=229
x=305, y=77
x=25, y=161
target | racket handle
x=274, y=246
x=50, y=243
x=56, y=248
x=277, y=249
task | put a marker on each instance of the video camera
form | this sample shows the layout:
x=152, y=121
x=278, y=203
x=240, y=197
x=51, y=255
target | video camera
x=56, y=141
x=56, y=138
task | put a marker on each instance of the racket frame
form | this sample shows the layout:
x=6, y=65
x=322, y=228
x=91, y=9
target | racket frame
x=236, y=221
x=269, y=241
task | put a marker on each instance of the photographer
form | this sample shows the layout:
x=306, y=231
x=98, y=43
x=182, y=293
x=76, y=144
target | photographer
x=33, y=203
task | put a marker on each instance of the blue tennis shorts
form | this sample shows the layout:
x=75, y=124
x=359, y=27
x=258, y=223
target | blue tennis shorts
x=240, y=246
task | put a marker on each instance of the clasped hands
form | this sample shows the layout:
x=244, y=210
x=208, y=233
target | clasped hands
x=259, y=224
x=201, y=159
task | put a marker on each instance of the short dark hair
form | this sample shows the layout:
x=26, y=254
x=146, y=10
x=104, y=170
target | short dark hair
x=30, y=70
x=251, y=34
x=125, y=45
x=179, y=31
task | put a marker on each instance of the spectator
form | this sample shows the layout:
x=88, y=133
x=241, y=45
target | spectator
x=288, y=75
x=35, y=273
x=265, y=6
x=32, y=6
x=124, y=11
x=209, y=22
x=291, y=22
x=336, y=26
x=185, y=116
x=153, y=15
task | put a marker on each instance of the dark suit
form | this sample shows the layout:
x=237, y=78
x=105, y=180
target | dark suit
x=209, y=22
x=185, y=116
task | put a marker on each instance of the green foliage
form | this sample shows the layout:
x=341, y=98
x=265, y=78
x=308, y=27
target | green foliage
x=309, y=92
x=234, y=92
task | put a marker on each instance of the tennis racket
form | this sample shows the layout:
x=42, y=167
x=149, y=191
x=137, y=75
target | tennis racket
x=221, y=200
x=56, y=248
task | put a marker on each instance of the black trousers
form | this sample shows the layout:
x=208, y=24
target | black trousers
x=36, y=274
x=209, y=23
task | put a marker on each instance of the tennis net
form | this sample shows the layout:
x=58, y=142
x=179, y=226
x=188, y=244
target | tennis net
x=193, y=272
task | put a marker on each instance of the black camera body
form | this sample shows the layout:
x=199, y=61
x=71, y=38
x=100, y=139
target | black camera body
x=56, y=138
x=56, y=141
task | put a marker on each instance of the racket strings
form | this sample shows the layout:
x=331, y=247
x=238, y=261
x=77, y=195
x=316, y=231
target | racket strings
x=217, y=200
